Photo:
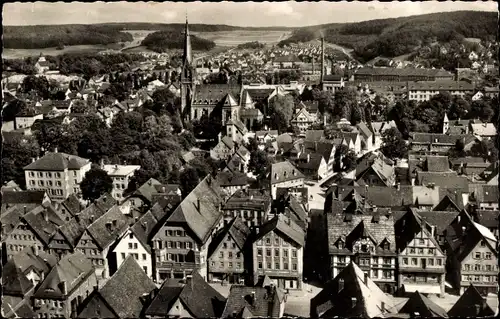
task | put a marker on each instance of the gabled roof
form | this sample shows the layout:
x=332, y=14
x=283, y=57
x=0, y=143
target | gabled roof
x=228, y=142
x=143, y=229
x=471, y=304
x=57, y=162
x=72, y=269
x=147, y=189
x=123, y=291
x=236, y=229
x=44, y=222
x=283, y=172
x=195, y=294
x=32, y=258
x=12, y=218
x=314, y=135
x=23, y=197
x=227, y=179
x=443, y=179
x=437, y=164
x=108, y=228
x=200, y=209
x=364, y=130
x=420, y=304
x=440, y=219
x=245, y=302
x=14, y=281
x=408, y=226
x=336, y=297
x=284, y=226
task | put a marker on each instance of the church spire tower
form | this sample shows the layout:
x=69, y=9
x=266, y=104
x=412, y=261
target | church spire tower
x=187, y=73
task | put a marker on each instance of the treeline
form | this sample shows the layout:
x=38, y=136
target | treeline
x=251, y=45
x=45, y=36
x=164, y=40
x=298, y=36
x=180, y=27
x=87, y=65
x=394, y=37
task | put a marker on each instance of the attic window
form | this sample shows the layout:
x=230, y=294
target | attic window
x=340, y=244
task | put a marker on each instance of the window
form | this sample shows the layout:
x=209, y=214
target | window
x=477, y=267
x=294, y=253
x=276, y=265
x=234, y=245
x=230, y=254
x=421, y=251
x=123, y=256
x=268, y=241
x=40, y=183
x=260, y=264
x=58, y=183
x=439, y=262
x=131, y=236
x=170, y=233
x=476, y=278
x=421, y=241
x=238, y=265
x=294, y=267
x=285, y=266
x=285, y=253
x=414, y=261
x=431, y=251
x=487, y=255
x=145, y=269
x=188, y=245
x=180, y=233
x=221, y=254
x=276, y=241
x=276, y=252
x=221, y=264
x=412, y=250
x=431, y=261
x=477, y=255
x=143, y=256
x=269, y=265
x=230, y=265
x=136, y=256
x=135, y=245
x=483, y=244
x=405, y=261
x=386, y=274
x=169, y=244
x=268, y=252
x=130, y=246
x=259, y=251
x=466, y=267
x=488, y=267
x=178, y=245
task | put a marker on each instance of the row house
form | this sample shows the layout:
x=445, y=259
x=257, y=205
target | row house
x=60, y=296
x=59, y=174
x=100, y=236
x=421, y=262
x=250, y=205
x=483, y=197
x=472, y=256
x=401, y=75
x=227, y=260
x=181, y=244
x=437, y=143
x=277, y=252
x=285, y=174
x=368, y=240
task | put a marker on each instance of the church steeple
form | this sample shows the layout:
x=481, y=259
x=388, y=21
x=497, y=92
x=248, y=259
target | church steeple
x=187, y=57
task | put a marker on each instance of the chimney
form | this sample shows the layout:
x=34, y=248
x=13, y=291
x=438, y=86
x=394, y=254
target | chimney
x=25, y=209
x=366, y=279
x=33, y=160
x=55, y=149
x=35, y=250
x=433, y=230
x=398, y=186
x=64, y=287
x=308, y=158
x=149, y=182
x=45, y=216
x=163, y=190
x=253, y=297
x=198, y=203
x=114, y=223
x=108, y=226
x=383, y=306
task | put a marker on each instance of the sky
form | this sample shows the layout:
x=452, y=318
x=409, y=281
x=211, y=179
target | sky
x=258, y=14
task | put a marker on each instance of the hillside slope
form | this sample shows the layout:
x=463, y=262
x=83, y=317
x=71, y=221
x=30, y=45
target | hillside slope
x=163, y=40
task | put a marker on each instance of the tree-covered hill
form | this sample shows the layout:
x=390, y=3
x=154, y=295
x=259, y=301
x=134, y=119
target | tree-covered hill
x=163, y=40
x=45, y=36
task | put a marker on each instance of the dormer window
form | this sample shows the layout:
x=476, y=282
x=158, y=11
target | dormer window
x=340, y=244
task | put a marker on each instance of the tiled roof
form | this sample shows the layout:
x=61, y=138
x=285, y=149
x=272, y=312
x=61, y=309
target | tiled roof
x=380, y=127
x=143, y=229
x=287, y=58
x=120, y=170
x=44, y=222
x=314, y=135
x=71, y=269
x=403, y=72
x=12, y=217
x=238, y=231
x=283, y=172
x=123, y=291
x=284, y=226
x=226, y=179
x=420, y=304
x=196, y=295
x=14, y=281
x=23, y=197
x=437, y=164
x=215, y=93
x=483, y=193
x=57, y=162
x=469, y=303
x=434, y=138
x=200, y=209
x=257, y=301
x=147, y=189
x=441, y=86
x=443, y=179
x=336, y=297
x=248, y=199
x=228, y=142
x=364, y=130
x=32, y=258
x=309, y=162
x=487, y=218
x=106, y=229
x=72, y=204
x=17, y=307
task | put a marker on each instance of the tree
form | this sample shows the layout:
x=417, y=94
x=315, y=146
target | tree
x=281, y=108
x=189, y=180
x=13, y=109
x=393, y=144
x=259, y=162
x=39, y=85
x=345, y=158
x=17, y=152
x=96, y=183
x=345, y=101
x=458, y=150
x=118, y=91
x=326, y=101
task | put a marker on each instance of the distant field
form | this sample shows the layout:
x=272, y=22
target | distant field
x=233, y=38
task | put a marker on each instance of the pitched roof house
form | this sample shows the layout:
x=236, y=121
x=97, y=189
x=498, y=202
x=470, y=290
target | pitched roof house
x=254, y=302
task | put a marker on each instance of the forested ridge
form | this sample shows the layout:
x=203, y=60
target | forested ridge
x=162, y=40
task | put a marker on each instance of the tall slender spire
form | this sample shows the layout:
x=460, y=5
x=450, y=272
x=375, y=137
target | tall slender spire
x=187, y=58
x=322, y=58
